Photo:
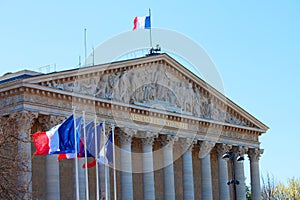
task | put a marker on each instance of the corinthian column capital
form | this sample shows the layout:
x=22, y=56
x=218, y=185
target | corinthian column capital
x=24, y=120
x=48, y=121
x=125, y=135
x=240, y=150
x=168, y=140
x=222, y=149
x=205, y=148
x=254, y=154
x=146, y=137
x=148, y=140
x=187, y=144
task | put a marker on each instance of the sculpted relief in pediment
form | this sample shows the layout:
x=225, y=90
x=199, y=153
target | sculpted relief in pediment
x=154, y=86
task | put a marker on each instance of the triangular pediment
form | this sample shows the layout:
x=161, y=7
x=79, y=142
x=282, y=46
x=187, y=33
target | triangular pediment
x=157, y=82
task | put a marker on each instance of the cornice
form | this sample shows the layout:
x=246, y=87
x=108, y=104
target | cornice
x=71, y=75
x=131, y=108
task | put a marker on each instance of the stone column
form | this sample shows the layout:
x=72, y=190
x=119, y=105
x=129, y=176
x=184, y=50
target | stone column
x=187, y=168
x=167, y=142
x=24, y=122
x=206, y=180
x=52, y=178
x=148, y=171
x=239, y=173
x=101, y=171
x=104, y=170
x=52, y=166
x=81, y=179
x=125, y=138
x=224, y=193
x=254, y=155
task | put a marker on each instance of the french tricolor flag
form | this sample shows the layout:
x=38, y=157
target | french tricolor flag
x=58, y=140
x=141, y=23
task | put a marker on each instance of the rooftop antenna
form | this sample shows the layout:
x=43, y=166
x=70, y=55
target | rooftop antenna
x=85, y=47
x=79, y=61
x=93, y=56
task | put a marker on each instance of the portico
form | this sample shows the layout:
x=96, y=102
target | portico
x=171, y=130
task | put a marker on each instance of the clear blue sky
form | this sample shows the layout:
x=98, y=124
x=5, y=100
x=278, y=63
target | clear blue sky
x=255, y=46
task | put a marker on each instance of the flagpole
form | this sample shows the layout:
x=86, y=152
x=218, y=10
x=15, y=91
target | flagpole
x=96, y=157
x=76, y=159
x=85, y=158
x=105, y=163
x=85, y=64
x=150, y=29
x=114, y=164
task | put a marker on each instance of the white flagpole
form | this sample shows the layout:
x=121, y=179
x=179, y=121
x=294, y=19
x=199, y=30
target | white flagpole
x=150, y=29
x=76, y=159
x=105, y=162
x=85, y=159
x=114, y=160
x=96, y=157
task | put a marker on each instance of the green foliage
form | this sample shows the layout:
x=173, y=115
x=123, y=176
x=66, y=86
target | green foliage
x=248, y=193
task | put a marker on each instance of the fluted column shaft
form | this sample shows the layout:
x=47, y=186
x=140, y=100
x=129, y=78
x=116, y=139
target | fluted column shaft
x=187, y=168
x=224, y=193
x=206, y=180
x=126, y=165
x=81, y=177
x=52, y=178
x=148, y=172
x=169, y=185
x=24, y=122
x=102, y=180
x=254, y=155
x=240, y=175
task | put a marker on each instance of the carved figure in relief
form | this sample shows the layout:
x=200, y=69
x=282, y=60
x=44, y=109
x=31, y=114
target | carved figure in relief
x=170, y=96
x=188, y=97
x=148, y=74
x=49, y=84
x=156, y=75
x=232, y=119
x=160, y=78
x=101, y=86
x=206, y=108
x=197, y=103
x=124, y=87
x=68, y=86
x=58, y=85
x=110, y=85
x=116, y=90
x=133, y=86
x=174, y=93
x=149, y=92
x=215, y=112
x=88, y=86
x=76, y=86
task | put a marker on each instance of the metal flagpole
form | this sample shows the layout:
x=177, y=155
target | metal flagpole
x=96, y=157
x=150, y=29
x=76, y=159
x=104, y=162
x=93, y=56
x=114, y=160
x=85, y=158
x=85, y=64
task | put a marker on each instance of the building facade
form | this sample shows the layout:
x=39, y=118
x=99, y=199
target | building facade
x=171, y=128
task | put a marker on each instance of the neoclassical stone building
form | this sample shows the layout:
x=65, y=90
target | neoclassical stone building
x=171, y=131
